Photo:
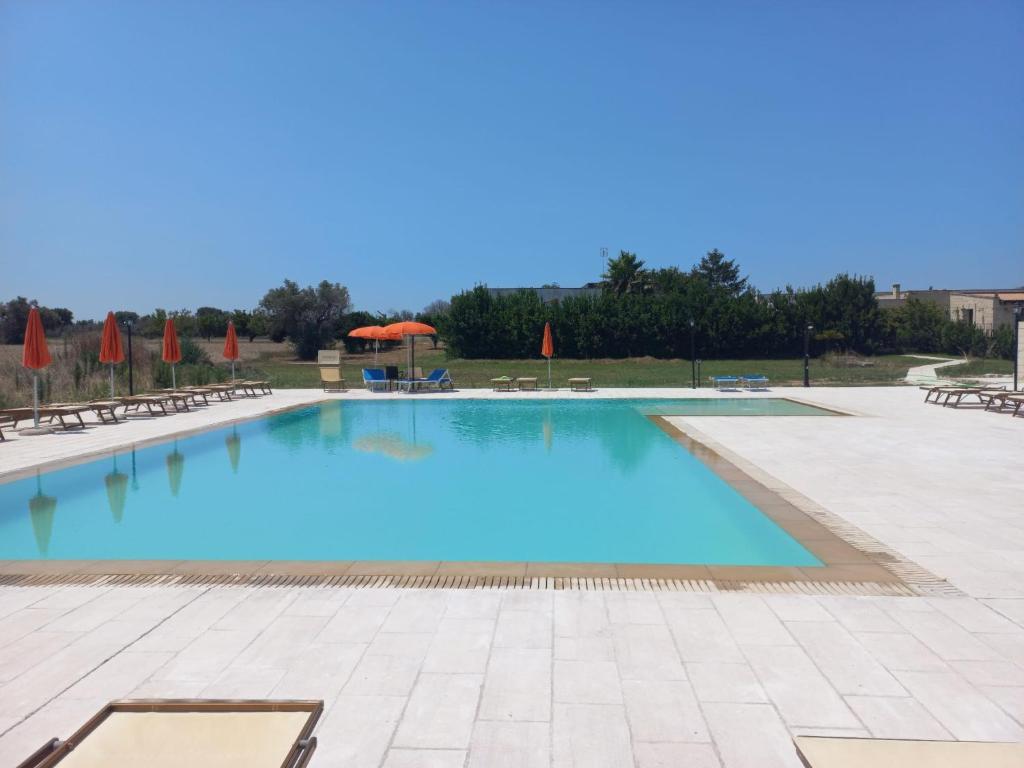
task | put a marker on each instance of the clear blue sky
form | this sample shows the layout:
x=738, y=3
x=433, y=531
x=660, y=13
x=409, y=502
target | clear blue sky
x=179, y=154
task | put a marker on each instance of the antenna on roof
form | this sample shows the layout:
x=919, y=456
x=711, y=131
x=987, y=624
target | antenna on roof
x=604, y=260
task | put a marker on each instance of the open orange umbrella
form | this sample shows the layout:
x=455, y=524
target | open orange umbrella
x=412, y=330
x=231, y=347
x=547, y=348
x=377, y=333
x=110, y=346
x=171, y=350
x=35, y=355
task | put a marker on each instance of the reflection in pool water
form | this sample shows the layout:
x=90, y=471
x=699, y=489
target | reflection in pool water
x=510, y=480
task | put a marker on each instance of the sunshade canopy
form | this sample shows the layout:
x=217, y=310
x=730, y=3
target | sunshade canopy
x=547, y=347
x=171, y=350
x=110, y=345
x=35, y=354
x=411, y=328
x=375, y=332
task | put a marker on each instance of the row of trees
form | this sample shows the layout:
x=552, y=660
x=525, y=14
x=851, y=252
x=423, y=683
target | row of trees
x=14, y=318
x=643, y=312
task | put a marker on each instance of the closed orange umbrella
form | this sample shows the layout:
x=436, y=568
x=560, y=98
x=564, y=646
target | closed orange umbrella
x=412, y=330
x=171, y=350
x=231, y=347
x=110, y=346
x=35, y=355
x=547, y=348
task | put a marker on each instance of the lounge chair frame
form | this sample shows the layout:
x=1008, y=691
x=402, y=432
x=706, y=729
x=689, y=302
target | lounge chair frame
x=581, y=384
x=302, y=749
x=47, y=412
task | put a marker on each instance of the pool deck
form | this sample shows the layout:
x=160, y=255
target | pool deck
x=522, y=676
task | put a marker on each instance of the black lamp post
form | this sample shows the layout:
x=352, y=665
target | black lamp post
x=807, y=355
x=1017, y=312
x=699, y=361
x=131, y=370
x=693, y=357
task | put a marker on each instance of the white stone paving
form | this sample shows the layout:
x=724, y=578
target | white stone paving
x=495, y=678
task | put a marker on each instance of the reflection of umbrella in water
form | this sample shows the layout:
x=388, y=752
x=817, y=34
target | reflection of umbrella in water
x=234, y=446
x=330, y=418
x=135, y=475
x=41, y=509
x=117, y=491
x=548, y=430
x=393, y=446
x=175, y=469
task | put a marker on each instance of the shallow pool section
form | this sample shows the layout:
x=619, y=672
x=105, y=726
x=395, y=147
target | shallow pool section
x=584, y=481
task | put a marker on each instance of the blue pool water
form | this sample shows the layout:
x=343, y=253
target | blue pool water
x=460, y=480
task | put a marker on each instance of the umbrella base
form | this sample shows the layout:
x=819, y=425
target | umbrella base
x=36, y=431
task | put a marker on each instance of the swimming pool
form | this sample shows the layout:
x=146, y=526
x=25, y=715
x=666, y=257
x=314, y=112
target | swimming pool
x=580, y=481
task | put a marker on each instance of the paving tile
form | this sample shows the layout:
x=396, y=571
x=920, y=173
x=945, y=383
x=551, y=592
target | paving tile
x=750, y=621
x=425, y=758
x=356, y=731
x=584, y=649
x=590, y=736
x=722, y=681
x=798, y=608
x=1009, y=698
x=118, y=676
x=1013, y=609
x=701, y=635
x=516, y=745
x=523, y=629
x=35, y=648
x=472, y=605
x=460, y=645
x=1009, y=646
x=18, y=624
x=517, y=686
x=409, y=645
x=440, y=712
x=663, y=711
x=947, y=639
x=321, y=672
x=849, y=667
x=675, y=755
x=581, y=614
x=889, y=717
x=960, y=707
x=990, y=672
x=354, y=624
x=207, y=656
x=282, y=642
x=900, y=651
x=382, y=676
x=244, y=682
x=528, y=600
x=646, y=652
x=587, y=682
x=802, y=695
x=859, y=614
x=750, y=736
x=631, y=608
x=974, y=615
x=416, y=612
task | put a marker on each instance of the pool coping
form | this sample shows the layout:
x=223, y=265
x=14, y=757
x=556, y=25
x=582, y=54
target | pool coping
x=854, y=563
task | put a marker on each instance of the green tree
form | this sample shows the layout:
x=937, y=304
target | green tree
x=720, y=273
x=624, y=274
x=308, y=317
x=210, y=322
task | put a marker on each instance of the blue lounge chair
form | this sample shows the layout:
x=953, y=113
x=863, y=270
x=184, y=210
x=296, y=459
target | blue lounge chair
x=440, y=378
x=374, y=380
x=725, y=382
x=755, y=381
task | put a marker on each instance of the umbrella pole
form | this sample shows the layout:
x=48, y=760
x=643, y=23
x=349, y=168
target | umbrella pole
x=549, y=373
x=111, y=381
x=174, y=381
x=232, y=371
x=35, y=399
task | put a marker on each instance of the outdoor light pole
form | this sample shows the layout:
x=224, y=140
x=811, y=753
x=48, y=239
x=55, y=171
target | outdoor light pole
x=1017, y=311
x=131, y=373
x=699, y=361
x=693, y=357
x=807, y=355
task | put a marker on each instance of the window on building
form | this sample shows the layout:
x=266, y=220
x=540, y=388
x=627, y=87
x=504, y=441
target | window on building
x=967, y=314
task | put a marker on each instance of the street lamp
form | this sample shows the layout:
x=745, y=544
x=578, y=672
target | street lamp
x=131, y=370
x=807, y=355
x=693, y=357
x=1017, y=312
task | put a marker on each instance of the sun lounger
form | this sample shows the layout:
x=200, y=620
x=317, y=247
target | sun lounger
x=503, y=384
x=527, y=383
x=850, y=752
x=440, y=378
x=223, y=391
x=754, y=381
x=955, y=398
x=1016, y=401
x=580, y=384
x=2, y=438
x=250, y=385
x=104, y=409
x=135, y=402
x=331, y=379
x=941, y=393
x=724, y=382
x=49, y=413
x=167, y=733
x=373, y=380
